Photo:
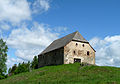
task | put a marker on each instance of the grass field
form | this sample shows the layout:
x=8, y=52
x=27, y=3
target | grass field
x=67, y=74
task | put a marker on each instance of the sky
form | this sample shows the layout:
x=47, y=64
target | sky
x=29, y=26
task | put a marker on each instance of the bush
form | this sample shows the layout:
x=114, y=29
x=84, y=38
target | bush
x=85, y=64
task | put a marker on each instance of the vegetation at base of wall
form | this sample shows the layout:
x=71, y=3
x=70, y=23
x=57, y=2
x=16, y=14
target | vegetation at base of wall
x=67, y=74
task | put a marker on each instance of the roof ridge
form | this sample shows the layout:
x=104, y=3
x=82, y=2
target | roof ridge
x=67, y=35
x=58, y=43
x=79, y=37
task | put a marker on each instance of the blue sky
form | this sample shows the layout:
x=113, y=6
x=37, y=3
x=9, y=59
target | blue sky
x=29, y=26
x=87, y=16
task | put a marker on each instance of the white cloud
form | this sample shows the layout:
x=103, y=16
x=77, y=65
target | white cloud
x=41, y=6
x=14, y=11
x=1, y=33
x=11, y=61
x=61, y=29
x=107, y=50
x=30, y=42
x=4, y=26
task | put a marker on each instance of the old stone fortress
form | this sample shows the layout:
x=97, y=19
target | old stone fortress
x=69, y=49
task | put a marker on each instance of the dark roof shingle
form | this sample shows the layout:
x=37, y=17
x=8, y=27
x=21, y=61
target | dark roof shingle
x=63, y=41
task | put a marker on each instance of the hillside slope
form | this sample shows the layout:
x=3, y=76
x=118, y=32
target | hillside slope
x=67, y=74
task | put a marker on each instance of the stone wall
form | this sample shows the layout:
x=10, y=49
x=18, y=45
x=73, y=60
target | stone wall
x=67, y=54
x=55, y=57
x=79, y=50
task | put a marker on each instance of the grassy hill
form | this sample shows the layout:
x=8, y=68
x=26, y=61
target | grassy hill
x=67, y=74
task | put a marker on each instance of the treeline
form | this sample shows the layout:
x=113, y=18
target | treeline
x=23, y=67
x=15, y=69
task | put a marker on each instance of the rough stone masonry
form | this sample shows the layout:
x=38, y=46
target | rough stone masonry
x=69, y=49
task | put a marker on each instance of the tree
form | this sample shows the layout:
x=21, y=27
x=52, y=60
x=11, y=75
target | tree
x=3, y=58
x=12, y=72
x=34, y=64
x=28, y=66
x=24, y=67
x=9, y=71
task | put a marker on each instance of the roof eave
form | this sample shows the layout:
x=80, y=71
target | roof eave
x=81, y=41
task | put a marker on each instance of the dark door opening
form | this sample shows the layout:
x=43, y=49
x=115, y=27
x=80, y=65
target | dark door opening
x=77, y=60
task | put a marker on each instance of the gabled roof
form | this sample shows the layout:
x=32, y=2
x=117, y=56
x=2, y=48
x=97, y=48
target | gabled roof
x=76, y=36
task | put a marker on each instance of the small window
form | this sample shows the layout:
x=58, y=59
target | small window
x=88, y=53
x=76, y=44
x=74, y=52
x=83, y=45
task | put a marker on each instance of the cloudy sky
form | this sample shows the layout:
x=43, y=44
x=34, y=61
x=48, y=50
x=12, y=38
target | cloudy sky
x=29, y=26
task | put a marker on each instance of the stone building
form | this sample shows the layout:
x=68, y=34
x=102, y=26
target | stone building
x=69, y=49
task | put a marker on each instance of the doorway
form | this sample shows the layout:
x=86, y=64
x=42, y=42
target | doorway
x=77, y=60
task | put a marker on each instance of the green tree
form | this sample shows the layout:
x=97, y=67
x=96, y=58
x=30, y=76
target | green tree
x=3, y=58
x=9, y=71
x=34, y=64
x=12, y=72
x=28, y=66
x=24, y=67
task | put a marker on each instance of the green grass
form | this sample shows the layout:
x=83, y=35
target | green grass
x=67, y=74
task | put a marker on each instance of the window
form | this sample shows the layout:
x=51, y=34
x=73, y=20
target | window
x=76, y=44
x=88, y=53
x=77, y=60
x=83, y=45
x=74, y=52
